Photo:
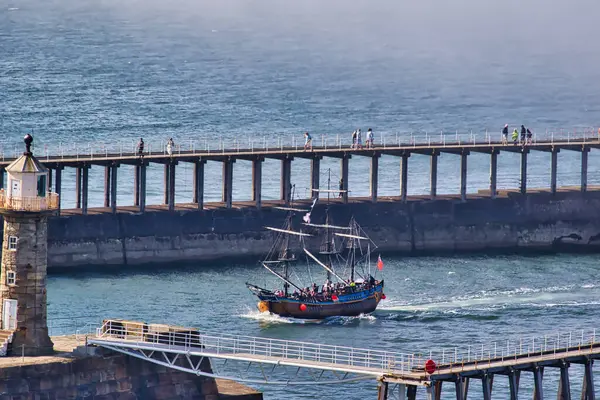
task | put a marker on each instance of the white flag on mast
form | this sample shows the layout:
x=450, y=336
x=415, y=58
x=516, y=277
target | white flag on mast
x=306, y=217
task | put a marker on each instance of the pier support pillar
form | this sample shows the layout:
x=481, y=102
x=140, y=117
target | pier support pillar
x=2, y=178
x=172, y=165
x=315, y=175
x=486, y=382
x=136, y=185
x=584, y=168
x=411, y=392
x=142, y=185
x=84, y=188
x=523, y=187
x=50, y=180
x=564, y=386
x=257, y=181
x=227, y=194
x=344, y=167
x=58, y=184
x=107, y=186
x=78, y=187
x=286, y=180
x=382, y=391
x=493, y=174
x=113, y=188
x=166, y=183
x=198, y=184
x=553, y=169
x=538, y=389
x=433, y=175
x=587, y=391
x=404, y=177
x=461, y=385
x=374, y=176
x=514, y=376
x=463, y=175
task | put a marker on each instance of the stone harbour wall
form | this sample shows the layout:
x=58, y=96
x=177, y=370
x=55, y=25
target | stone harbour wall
x=536, y=221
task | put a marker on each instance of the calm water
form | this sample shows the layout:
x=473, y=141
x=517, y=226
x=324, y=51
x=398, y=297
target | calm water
x=83, y=73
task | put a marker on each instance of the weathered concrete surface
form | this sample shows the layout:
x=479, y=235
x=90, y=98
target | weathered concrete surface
x=538, y=221
x=95, y=373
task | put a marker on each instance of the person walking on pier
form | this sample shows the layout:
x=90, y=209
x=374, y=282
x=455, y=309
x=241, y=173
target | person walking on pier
x=307, y=141
x=358, y=139
x=515, y=137
x=170, y=145
x=370, y=139
x=505, y=134
x=529, y=136
x=523, y=133
x=353, y=145
x=140, y=148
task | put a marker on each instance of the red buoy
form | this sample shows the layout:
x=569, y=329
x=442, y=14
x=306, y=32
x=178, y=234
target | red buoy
x=302, y=307
x=383, y=296
x=334, y=297
x=430, y=366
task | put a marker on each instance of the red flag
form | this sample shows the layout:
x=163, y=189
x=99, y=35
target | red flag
x=379, y=263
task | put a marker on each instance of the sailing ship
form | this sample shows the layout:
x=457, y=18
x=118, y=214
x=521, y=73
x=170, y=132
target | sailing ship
x=349, y=288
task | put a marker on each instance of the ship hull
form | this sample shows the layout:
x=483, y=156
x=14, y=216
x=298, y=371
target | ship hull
x=349, y=305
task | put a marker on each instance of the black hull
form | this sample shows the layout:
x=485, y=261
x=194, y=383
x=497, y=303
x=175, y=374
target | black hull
x=323, y=310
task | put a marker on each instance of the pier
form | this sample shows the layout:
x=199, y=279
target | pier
x=112, y=159
x=260, y=360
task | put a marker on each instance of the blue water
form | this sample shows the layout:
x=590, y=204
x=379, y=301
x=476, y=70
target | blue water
x=84, y=74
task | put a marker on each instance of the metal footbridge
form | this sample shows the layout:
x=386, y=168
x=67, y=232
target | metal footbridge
x=259, y=360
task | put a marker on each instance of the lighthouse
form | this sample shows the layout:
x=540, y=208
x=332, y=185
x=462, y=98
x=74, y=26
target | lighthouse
x=25, y=205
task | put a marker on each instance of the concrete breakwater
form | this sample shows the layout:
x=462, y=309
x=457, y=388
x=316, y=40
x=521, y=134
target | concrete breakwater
x=511, y=222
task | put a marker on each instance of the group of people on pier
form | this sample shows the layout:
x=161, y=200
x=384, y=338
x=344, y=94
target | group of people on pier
x=170, y=146
x=356, y=140
x=525, y=139
x=330, y=291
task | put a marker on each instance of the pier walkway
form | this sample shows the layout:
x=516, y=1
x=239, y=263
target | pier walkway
x=111, y=157
x=271, y=361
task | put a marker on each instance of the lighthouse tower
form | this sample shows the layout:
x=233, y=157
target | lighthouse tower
x=25, y=205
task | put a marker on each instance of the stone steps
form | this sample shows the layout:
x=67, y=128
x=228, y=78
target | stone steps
x=5, y=341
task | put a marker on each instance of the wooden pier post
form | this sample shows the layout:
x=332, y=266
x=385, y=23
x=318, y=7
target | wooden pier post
x=257, y=181
x=136, y=185
x=107, y=170
x=382, y=391
x=494, y=174
x=564, y=386
x=172, y=165
x=345, y=174
x=286, y=179
x=113, y=188
x=461, y=386
x=315, y=175
x=78, y=187
x=404, y=177
x=463, y=175
x=411, y=392
x=584, y=168
x=538, y=388
x=514, y=377
x=142, y=185
x=523, y=186
x=166, y=185
x=374, y=176
x=433, y=175
x=84, y=188
x=198, y=184
x=227, y=194
x=587, y=390
x=553, y=169
x=58, y=184
x=486, y=382
x=50, y=180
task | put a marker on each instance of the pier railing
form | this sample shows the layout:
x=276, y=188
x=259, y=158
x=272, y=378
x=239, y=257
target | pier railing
x=275, y=142
x=24, y=203
x=553, y=345
x=165, y=337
